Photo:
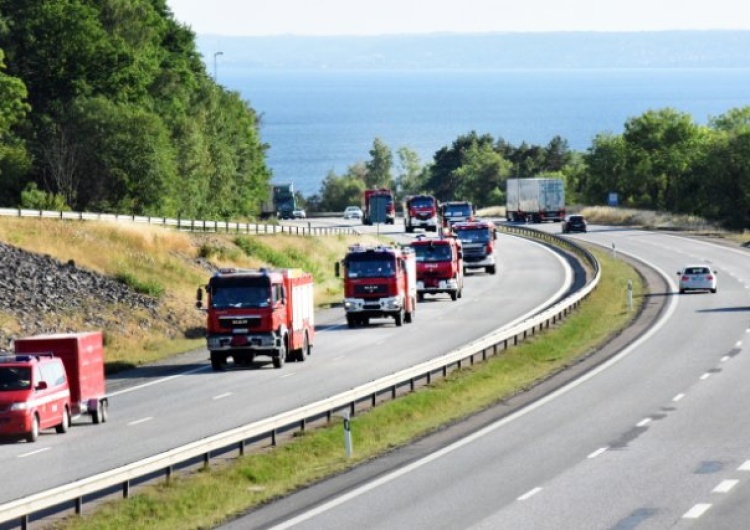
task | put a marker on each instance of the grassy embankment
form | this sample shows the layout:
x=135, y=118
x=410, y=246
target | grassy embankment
x=204, y=499
x=167, y=265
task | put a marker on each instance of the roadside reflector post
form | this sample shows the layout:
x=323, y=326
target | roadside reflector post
x=347, y=434
x=630, y=295
x=614, y=250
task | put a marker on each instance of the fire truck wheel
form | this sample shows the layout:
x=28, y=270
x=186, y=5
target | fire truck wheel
x=65, y=423
x=460, y=293
x=454, y=295
x=303, y=352
x=217, y=360
x=398, y=317
x=491, y=269
x=100, y=414
x=420, y=297
x=280, y=358
x=350, y=321
x=33, y=434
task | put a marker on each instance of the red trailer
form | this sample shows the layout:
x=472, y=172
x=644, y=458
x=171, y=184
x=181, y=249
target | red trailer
x=82, y=355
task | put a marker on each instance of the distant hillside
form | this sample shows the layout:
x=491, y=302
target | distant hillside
x=668, y=49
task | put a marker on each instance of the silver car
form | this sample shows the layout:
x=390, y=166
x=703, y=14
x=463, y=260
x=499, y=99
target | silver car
x=353, y=212
x=697, y=278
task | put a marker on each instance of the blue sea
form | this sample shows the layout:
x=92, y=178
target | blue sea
x=322, y=121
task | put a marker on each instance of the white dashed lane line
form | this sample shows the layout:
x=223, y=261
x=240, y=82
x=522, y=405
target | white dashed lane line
x=529, y=494
x=678, y=397
x=142, y=420
x=725, y=486
x=643, y=422
x=32, y=453
x=696, y=511
x=222, y=396
x=598, y=452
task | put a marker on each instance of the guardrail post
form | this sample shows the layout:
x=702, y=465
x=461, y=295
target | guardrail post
x=374, y=399
x=25, y=522
x=168, y=473
x=126, y=489
x=273, y=437
x=302, y=424
x=393, y=392
x=206, y=459
x=79, y=505
x=241, y=447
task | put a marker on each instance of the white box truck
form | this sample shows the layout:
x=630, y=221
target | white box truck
x=535, y=200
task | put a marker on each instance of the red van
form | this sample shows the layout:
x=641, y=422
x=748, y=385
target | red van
x=34, y=395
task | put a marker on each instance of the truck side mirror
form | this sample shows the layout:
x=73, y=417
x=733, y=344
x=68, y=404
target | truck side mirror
x=460, y=255
x=337, y=269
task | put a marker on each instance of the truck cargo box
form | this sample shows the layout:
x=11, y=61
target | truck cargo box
x=82, y=355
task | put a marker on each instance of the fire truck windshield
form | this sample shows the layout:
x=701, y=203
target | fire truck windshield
x=370, y=267
x=421, y=202
x=15, y=378
x=458, y=210
x=474, y=236
x=432, y=253
x=239, y=296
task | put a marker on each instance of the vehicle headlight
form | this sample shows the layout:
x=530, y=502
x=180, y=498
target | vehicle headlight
x=19, y=406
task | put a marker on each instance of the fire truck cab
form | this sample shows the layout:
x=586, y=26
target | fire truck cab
x=439, y=266
x=258, y=312
x=479, y=239
x=379, y=282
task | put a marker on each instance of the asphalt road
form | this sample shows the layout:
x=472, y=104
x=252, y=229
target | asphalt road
x=181, y=400
x=656, y=437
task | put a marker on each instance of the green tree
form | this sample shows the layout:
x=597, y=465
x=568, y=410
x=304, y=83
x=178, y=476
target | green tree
x=482, y=175
x=444, y=181
x=338, y=192
x=380, y=166
x=411, y=173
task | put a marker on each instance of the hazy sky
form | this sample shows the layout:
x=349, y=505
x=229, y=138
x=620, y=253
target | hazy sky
x=356, y=17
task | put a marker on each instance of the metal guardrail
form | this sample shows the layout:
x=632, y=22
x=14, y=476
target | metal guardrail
x=489, y=345
x=191, y=225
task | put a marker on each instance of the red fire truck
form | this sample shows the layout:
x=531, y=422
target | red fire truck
x=478, y=238
x=379, y=282
x=51, y=380
x=258, y=312
x=378, y=207
x=452, y=212
x=439, y=266
x=421, y=211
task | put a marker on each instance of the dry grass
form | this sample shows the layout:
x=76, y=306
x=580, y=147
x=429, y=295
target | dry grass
x=171, y=265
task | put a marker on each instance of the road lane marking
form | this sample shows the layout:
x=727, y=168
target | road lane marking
x=705, y=376
x=142, y=420
x=288, y=374
x=643, y=422
x=745, y=466
x=678, y=397
x=739, y=344
x=598, y=452
x=725, y=486
x=725, y=358
x=385, y=479
x=158, y=381
x=696, y=511
x=222, y=396
x=529, y=494
x=32, y=453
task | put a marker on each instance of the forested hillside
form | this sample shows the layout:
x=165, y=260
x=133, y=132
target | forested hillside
x=105, y=105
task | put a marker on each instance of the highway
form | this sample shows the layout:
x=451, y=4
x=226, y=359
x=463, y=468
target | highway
x=658, y=437
x=152, y=415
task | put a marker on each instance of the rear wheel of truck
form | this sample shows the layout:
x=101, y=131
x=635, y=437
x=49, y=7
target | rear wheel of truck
x=454, y=295
x=217, y=361
x=33, y=434
x=303, y=352
x=398, y=317
x=100, y=414
x=65, y=423
x=491, y=269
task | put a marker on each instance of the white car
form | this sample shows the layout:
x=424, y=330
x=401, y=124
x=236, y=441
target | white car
x=299, y=213
x=697, y=278
x=353, y=212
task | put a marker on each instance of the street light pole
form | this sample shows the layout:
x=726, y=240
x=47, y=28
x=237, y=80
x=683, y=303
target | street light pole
x=216, y=79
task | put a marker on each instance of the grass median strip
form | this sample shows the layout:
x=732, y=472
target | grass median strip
x=206, y=498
